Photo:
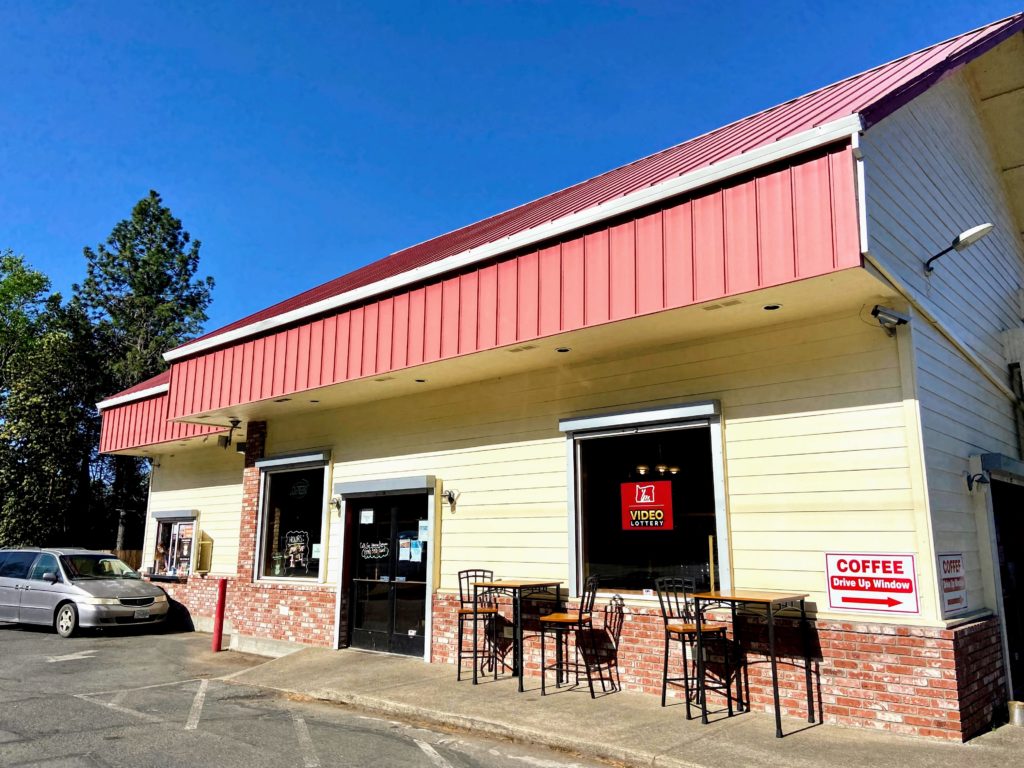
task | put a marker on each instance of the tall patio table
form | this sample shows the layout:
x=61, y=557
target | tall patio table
x=771, y=603
x=517, y=590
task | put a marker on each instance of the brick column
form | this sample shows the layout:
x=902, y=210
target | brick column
x=255, y=441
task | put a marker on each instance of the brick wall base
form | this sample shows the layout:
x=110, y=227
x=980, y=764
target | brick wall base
x=295, y=613
x=939, y=683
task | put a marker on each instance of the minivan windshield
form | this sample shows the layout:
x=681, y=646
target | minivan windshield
x=96, y=567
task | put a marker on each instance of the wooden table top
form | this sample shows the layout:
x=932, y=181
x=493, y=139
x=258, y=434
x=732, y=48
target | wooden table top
x=515, y=584
x=762, y=596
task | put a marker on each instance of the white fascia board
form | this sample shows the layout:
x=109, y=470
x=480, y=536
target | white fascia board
x=844, y=127
x=131, y=397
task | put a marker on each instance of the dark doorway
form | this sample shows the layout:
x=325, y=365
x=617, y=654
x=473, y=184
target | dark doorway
x=389, y=573
x=1008, y=511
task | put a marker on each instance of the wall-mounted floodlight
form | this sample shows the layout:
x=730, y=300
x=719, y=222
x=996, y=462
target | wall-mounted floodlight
x=888, y=318
x=961, y=241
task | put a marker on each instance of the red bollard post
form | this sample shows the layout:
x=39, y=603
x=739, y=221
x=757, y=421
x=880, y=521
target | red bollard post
x=218, y=619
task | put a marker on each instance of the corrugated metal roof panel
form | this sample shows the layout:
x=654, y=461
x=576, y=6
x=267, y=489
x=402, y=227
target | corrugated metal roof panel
x=874, y=94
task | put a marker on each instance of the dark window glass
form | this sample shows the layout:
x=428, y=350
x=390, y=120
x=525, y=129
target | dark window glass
x=96, y=567
x=44, y=564
x=174, y=540
x=17, y=564
x=677, y=461
x=292, y=518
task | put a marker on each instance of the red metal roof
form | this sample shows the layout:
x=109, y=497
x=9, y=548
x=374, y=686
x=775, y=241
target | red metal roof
x=874, y=94
x=155, y=381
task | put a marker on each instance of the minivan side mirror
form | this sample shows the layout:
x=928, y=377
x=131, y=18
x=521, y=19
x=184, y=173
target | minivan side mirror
x=51, y=577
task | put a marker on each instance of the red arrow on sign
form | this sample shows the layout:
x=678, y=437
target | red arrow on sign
x=889, y=601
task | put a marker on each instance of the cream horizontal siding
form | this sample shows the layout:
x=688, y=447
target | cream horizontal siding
x=815, y=448
x=930, y=173
x=206, y=480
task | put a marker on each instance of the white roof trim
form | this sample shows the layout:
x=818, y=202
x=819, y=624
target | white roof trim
x=131, y=397
x=815, y=137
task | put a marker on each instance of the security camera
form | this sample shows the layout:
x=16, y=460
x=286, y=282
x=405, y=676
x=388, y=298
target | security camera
x=888, y=318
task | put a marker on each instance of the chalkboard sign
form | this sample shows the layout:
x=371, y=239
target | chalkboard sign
x=296, y=549
x=374, y=550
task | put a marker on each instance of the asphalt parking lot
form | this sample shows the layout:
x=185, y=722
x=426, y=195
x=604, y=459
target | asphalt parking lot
x=164, y=699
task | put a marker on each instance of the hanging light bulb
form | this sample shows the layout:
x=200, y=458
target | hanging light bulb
x=661, y=469
x=642, y=469
x=673, y=470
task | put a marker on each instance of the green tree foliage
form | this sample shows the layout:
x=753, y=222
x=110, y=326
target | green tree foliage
x=22, y=295
x=57, y=359
x=49, y=431
x=141, y=290
x=143, y=297
x=48, y=427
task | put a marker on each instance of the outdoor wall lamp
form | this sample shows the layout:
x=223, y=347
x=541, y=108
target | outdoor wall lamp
x=225, y=440
x=977, y=479
x=961, y=241
x=451, y=497
x=335, y=503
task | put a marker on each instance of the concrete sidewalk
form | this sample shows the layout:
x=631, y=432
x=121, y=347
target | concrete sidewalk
x=626, y=727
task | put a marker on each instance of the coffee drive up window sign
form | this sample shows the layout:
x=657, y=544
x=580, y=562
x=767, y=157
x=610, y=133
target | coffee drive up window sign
x=953, y=580
x=871, y=582
x=647, y=505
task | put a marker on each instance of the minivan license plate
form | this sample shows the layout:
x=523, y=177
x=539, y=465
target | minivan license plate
x=142, y=613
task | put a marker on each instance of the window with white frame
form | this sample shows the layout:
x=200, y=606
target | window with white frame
x=292, y=521
x=174, y=542
x=648, y=496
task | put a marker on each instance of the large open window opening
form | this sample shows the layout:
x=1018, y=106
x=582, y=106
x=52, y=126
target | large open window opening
x=292, y=527
x=647, y=505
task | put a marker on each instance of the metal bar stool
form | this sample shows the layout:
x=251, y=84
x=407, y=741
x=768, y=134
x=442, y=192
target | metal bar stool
x=486, y=608
x=561, y=624
x=677, y=611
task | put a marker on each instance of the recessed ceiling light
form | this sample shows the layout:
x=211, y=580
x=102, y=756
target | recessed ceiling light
x=282, y=400
x=771, y=307
x=421, y=381
x=563, y=349
x=314, y=401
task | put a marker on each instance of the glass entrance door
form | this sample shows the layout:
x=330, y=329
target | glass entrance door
x=389, y=575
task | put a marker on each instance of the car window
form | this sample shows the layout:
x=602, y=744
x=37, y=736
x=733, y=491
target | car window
x=16, y=564
x=3, y=556
x=44, y=564
x=96, y=567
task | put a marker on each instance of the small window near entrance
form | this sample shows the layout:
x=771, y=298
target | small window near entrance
x=173, y=555
x=647, y=506
x=293, y=516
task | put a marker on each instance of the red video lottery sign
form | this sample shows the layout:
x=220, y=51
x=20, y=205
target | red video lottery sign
x=647, y=506
x=858, y=582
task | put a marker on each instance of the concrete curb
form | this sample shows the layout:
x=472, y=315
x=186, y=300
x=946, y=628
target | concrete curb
x=479, y=725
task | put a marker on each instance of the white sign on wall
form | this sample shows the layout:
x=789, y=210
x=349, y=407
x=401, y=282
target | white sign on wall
x=953, y=582
x=885, y=583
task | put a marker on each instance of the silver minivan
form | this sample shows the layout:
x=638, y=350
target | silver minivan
x=75, y=588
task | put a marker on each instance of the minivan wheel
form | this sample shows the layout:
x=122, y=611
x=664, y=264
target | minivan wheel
x=67, y=620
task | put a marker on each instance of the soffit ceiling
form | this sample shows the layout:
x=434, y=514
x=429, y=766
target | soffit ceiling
x=997, y=79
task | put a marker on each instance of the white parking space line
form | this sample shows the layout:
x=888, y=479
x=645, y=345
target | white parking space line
x=76, y=656
x=110, y=705
x=197, y=706
x=309, y=758
x=144, y=687
x=431, y=753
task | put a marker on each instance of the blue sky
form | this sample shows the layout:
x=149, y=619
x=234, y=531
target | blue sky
x=299, y=141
